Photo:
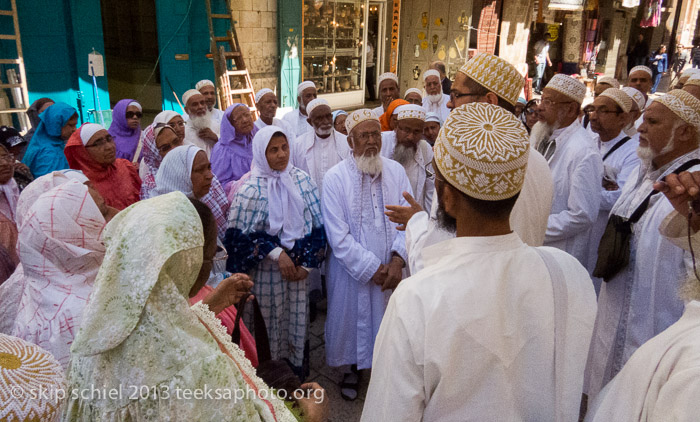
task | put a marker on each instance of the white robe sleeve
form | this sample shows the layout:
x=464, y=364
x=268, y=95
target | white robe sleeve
x=421, y=232
x=360, y=263
x=399, y=245
x=609, y=197
x=583, y=203
x=678, y=398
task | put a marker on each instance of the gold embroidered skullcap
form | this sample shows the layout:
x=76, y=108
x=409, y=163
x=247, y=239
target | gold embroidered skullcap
x=32, y=383
x=496, y=75
x=644, y=69
x=684, y=105
x=609, y=80
x=483, y=151
x=359, y=116
x=636, y=96
x=387, y=75
x=571, y=87
x=410, y=111
x=620, y=98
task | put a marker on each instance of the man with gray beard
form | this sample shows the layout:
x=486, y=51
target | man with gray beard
x=200, y=129
x=368, y=253
x=576, y=165
x=640, y=298
x=407, y=146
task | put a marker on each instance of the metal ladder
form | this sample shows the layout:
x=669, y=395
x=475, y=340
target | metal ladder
x=15, y=73
x=234, y=84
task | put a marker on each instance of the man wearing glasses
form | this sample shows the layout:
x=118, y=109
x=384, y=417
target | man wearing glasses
x=576, y=164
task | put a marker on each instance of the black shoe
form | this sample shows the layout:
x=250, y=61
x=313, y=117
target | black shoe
x=350, y=384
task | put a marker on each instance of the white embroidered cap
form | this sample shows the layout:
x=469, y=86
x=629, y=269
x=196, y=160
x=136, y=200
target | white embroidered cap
x=636, y=96
x=610, y=81
x=315, y=103
x=88, y=130
x=204, y=82
x=387, y=76
x=431, y=72
x=305, y=85
x=413, y=91
x=496, y=75
x=644, y=69
x=684, y=105
x=410, y=111
x=189, y=94
x=262, y=93
x=483, y=151
x=620, y=97
x=433, y=117
x=359, y=116
x=571, y=87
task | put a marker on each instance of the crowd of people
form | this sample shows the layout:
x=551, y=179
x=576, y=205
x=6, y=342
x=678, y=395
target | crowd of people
x=486, y=257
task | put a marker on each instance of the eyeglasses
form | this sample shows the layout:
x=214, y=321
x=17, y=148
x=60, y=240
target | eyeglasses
x=454, y=95
x=531, y=110
x=548, y=103
x=600, y=110
x=132, y=114
x=101, y=142
x=365, y=136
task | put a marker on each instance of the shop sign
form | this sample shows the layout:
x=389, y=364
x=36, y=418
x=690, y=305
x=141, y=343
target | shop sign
x=394, y=61
x=553, y=31
x=566, y=4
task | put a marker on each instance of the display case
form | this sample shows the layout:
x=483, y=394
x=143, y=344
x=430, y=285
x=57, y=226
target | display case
x=333, y=49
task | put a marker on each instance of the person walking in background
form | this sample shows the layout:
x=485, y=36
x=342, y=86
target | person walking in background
x=637, y=54
x=695, y=54
x=659, y=65
x=369, y=81
x=542, y=60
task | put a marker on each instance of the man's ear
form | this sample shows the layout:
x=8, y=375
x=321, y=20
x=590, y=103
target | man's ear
x=491, y=98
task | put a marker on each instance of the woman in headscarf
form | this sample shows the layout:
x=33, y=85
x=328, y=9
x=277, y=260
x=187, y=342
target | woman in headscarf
x=154, y=150
x=45, y=151
x=33, y=113
x=387, y=121
x=126, y=128
x=339, y=117
x=276, y=235
x=9, y=193
x=139, y=330
x=61, y=250
x=16, y=145
x=91, y=149
x=232, y=155
x=187, y=169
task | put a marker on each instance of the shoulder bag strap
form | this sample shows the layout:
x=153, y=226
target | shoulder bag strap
x=560, y=307
x=262, y=342
x=619, y=143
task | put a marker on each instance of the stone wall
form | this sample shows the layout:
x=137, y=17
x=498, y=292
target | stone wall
x=258, y=37
x=515, y=30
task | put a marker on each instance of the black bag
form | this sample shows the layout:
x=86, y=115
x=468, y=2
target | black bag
x=276, y=373
x=614, y=247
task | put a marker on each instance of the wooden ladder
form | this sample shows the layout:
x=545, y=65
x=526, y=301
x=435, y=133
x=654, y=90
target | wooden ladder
x=15, y=73
x=234, y=84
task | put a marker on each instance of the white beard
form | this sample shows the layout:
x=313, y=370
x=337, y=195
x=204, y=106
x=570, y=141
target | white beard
x=369, y=164
x=541, y=131
x=324, y=132
x=435, y=98
x=645, y=154
x=403, y=154
x=203, y=122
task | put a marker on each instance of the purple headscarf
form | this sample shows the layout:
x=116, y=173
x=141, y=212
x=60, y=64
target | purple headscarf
x=125, y=138
x=232, y=155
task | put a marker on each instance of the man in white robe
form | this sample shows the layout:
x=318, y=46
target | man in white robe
x=200, y=129
x=609, y=114
x=489, y=79
x=407, y=146
x=576, y=164
x=640, y=300
x=266, y=103
x=368, y=253
x=491, y=329
x=207, y=88
x=297, y=119
x=388, y=84
x=435, y=101
x=641, y=79
x=638, y=104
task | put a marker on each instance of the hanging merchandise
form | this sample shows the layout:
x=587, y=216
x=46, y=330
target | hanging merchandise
x=652, y=14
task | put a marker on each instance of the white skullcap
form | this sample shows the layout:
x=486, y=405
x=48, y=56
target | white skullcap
x=315, y=103
x=610, y=81
x=433, y=117
x=644, y=69
x=568, y=86
x=359, y=116
x=88, y=130
x=620, y=97
x=135, y=104
x=189, y=94
x=413, y=91
x=410, y=111
x=636, y=96
x=688, y=73
x=262, y=93
x=204, y=82
x=388, y=75
x=431, y=72
x=693, y=80
x=305, y=85
x=684, y=105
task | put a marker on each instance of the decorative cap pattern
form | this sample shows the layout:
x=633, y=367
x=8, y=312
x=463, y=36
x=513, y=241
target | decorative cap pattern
x=359, y=116
x=571, y=87
x=262, y=93
x=644, y=69
x=483, y=151
x=204, y=82
x=620, y=98
x=315, y=103
x=387, y=75
x=410, y=111
x=413, y=91
x=636, y=96
x=496, y=75
x=305, y=85
x=610, y=81
x=684, y=105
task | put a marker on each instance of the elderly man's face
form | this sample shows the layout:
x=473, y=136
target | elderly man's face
x=409, y=131
x=197, y=105
x=321, y=119
x=365, y=139
x=657, y=129
x=414, y=98
x=307, y=95
x=268, y=105
x=388, y=92
x=209, y=95
x=640, y=80
x=432, y=85
x=430, y=131
x=551, y=104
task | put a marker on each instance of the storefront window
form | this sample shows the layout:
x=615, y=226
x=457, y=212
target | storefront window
x=334, y=31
